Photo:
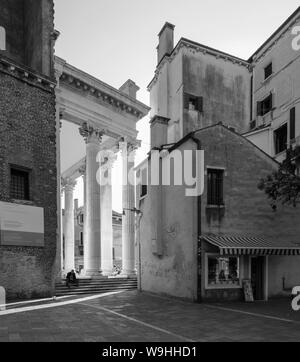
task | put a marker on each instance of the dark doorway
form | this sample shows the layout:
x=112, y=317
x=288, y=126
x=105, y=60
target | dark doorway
x=257, y=277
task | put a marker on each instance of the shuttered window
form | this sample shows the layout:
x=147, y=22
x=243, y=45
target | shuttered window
x=193, y=103
x=280, y=139
x=265, y=106
x=268, y=70
x=292, y=123
x=215, y=180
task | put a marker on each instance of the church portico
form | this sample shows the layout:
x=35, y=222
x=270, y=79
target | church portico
x=106, y=118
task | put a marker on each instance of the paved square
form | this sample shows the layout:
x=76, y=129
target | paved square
x=132, y=317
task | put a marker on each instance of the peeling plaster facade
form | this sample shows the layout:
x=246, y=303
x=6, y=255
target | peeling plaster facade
x=177, y=268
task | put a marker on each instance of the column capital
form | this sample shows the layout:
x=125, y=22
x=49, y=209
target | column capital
x=106, y=158
x=82, y=169
x=68, y=184
x=91, y=134
x=128, y=144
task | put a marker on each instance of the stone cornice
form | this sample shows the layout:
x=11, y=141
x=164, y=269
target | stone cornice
x=83, y=82
x=276, y=37
x=196, y=48
x=26, y=75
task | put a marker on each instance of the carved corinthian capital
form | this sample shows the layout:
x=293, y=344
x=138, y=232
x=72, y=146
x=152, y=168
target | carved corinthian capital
x=68, y=184
x=90, y=134
x=128, y=144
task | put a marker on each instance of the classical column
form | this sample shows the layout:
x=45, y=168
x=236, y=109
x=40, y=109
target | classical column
x=82, y=170
x=69, y=185
x=107, y=159
x=92, y=252
x=128, y=202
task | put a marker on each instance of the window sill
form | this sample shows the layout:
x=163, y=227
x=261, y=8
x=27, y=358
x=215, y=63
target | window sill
x=143, y=197
x=221, y=287
x=22, y=202
x=265, y=81
x=215, y=206
x=280, y=153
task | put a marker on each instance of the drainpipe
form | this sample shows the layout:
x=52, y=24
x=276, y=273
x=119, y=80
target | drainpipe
x=199, y=214
x=139, y=253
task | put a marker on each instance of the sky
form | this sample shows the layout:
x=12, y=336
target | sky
x=115, y=40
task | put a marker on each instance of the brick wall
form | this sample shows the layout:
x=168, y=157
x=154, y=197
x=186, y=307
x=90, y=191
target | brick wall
x=27, y=139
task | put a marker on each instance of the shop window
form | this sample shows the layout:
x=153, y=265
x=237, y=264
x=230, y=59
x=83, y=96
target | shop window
x=193, y=103
x=268, y=70
x=222, y=271
x=280, y=139
x=19, y=184
x=215, y=181
x=292, y=123
x=265, y=106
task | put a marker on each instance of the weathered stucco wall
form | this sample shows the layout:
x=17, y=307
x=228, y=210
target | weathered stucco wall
x=247, y=211
x=225, y=88
x=175, y=271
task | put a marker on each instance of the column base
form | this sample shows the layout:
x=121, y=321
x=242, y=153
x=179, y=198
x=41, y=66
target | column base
x=91, y=273
x=107, y=273
x=127, y=274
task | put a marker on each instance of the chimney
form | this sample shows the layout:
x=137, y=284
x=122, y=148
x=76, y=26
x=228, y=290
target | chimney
x=129, y=88
x=159, y=131
x=166, y=41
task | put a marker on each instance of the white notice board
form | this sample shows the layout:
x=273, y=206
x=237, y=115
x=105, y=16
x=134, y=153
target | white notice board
x=21, y=225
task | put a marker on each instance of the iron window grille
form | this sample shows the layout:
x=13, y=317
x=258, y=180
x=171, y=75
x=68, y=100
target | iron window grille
x=19, y=184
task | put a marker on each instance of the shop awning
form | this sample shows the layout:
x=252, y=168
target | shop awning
x=251, y=245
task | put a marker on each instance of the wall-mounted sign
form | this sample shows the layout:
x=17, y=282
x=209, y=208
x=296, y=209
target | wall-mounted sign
x=21, y=225
x=248, y=292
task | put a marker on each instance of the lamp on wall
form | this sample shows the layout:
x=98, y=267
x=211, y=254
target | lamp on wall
x=135, y=210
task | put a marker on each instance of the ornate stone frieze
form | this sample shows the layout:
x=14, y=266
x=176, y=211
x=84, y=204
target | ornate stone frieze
x=109, y=100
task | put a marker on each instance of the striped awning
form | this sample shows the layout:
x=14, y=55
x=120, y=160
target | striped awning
x=251, y=245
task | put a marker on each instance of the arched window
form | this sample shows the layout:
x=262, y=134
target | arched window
x=2, y=38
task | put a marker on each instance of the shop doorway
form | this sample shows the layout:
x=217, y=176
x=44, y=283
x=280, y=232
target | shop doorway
x=257, y=277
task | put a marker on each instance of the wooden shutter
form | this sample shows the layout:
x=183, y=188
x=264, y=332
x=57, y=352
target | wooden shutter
x=259, y=108
x=200, y=104
x=292, y=123
x=186, y=99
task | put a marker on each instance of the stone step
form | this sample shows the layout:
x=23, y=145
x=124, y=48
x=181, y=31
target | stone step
x=96, y=286
x=58, y=285
x=79, y=291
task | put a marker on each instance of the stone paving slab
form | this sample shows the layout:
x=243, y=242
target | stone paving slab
x=137, y=317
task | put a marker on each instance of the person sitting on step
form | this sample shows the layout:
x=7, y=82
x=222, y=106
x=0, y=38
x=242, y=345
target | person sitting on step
x=71, y=279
